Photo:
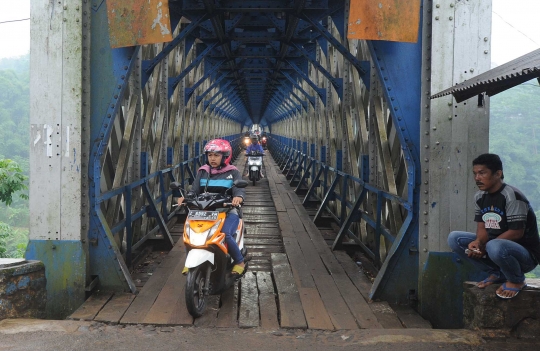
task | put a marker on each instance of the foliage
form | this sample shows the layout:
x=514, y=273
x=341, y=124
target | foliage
x=11, y=181
x=514, y=135
x=12, y=241
x=14, y=146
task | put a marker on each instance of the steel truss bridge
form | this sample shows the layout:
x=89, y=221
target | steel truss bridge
x=350, y=119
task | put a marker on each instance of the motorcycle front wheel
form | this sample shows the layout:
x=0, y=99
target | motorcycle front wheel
x=195, y=297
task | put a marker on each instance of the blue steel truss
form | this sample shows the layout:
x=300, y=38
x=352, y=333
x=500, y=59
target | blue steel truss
x=254, y=51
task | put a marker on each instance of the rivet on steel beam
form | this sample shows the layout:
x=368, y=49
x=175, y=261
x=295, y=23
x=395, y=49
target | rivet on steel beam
x=426, y=182
x=434, y=128
x=425, y=212
x=449, y=117
x=426, y=133
x=485, y=38
x=426, y=146
x=425, y=223
x=426, y=160
x=426, y=170
x=450, y=18
x=436, y=18
x=425, y=236
x=425, y=250
x=65, y=7
x=65, y=19
x=425, y=192
x=427, y=119
x=425, y=202
x=472, y=69
x=485, y=51
x=437, y=6
x=438, y=142
x=451, y=5
x=399, y=118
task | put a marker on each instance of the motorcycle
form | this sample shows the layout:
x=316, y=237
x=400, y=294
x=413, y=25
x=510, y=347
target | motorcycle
x=255, y=166
x=207, y=258
x=263, y=142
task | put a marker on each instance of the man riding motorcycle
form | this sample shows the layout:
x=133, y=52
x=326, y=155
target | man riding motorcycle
x=216, y=176
x=254, y=147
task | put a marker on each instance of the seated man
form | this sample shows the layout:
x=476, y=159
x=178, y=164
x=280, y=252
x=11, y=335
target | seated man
x=506, y=244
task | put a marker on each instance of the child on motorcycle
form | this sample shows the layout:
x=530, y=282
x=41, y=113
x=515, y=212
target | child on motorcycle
x=216, y=176
x=254, y=147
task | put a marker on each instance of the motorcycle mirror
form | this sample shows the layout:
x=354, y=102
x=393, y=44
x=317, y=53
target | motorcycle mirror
x=177, y=189
x=174, y=185
x=240, y=183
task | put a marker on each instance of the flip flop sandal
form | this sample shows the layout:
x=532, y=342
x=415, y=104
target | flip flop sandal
x=493, y=281
x=517, y=290
x=236, y=269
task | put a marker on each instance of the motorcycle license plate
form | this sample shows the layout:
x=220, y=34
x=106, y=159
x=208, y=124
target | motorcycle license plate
x=203, y=215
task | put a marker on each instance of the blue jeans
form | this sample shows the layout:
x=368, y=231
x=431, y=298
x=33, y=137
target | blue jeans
x=229, y=228
x=505, y=259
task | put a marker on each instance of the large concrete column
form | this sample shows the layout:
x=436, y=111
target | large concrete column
x=58, y=151
x=457, y=37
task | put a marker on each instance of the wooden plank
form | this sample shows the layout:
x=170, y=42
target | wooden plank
x=386, y=315
x=249, y=303
x=300, y=270
x=293, y=216
x=410, y=318
x=336, y=307
x=285, y=224
x=171, y=294
x=294, y=198
x=148, y=294
x=355, y=274
x=209, y=318
x=333, y=301
x=228, y=313
x=290, y=306
x=354, y=300
x=115, y=308
x=91, y=307
x=278, y=203
x=267, y=301
x=284, y=197
x=314, y=309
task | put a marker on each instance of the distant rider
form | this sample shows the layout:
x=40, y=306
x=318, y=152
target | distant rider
x=254, y=147
x=216, y=176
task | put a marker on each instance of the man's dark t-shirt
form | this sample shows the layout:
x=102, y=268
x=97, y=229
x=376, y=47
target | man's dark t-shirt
x=507, y=209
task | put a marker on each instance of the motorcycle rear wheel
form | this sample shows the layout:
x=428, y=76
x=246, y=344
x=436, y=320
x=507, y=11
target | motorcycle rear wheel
x=195, y=297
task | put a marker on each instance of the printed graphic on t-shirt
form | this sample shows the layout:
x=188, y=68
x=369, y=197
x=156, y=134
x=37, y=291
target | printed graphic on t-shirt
x=492, y=220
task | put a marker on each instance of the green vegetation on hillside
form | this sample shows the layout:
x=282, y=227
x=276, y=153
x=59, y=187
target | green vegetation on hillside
x=14, y=155
x=514, y=134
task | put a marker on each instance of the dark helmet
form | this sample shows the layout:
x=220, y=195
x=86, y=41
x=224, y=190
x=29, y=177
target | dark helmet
x=220, y=146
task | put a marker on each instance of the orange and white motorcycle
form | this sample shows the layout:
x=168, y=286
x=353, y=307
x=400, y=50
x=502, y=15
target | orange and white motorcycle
x=207, y=258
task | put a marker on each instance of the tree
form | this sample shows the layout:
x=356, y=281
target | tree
x=12, y=180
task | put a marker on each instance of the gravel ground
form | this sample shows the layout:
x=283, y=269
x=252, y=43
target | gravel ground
x=24, y=334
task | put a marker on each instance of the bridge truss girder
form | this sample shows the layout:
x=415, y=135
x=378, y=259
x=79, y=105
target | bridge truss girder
x=145, y=111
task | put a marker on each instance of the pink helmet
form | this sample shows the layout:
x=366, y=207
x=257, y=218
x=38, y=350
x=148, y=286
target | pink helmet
x=220, y=146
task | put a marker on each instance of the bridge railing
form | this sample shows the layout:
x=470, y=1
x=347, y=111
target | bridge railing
x=157, y=209
x=368, y=216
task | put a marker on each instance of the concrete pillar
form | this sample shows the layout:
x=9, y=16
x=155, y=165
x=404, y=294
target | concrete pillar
x=58, y=152
x=456, y=37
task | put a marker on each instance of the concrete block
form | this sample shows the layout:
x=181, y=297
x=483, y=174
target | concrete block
x=23, y=291
x=483, y=310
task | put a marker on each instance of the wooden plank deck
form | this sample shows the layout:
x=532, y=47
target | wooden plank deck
x=294, y=281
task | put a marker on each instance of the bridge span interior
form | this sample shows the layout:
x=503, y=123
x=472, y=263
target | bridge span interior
x=349, y=121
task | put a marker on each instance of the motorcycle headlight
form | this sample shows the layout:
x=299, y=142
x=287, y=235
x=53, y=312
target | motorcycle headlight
x=199, y=239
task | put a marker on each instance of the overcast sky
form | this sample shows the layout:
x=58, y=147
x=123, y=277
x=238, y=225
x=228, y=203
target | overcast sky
x=515, y=30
